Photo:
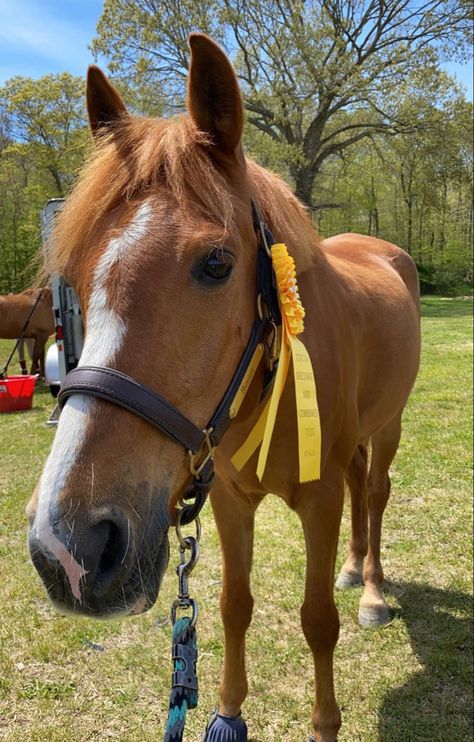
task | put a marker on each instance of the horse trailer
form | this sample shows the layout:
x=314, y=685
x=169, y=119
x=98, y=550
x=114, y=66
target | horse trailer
x=64, y=355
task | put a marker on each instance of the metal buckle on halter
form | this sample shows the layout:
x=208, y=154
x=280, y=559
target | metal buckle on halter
x=194, y=468
x=273, y=347
x=264, y=235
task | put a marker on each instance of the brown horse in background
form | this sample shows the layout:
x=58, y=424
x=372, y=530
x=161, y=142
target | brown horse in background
x=158, y=241
x=14, y=311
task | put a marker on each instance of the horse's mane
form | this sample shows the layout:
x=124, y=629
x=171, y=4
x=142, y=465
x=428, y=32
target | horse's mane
x=142, y=153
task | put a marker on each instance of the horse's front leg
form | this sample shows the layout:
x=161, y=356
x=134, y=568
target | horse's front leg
x=319, y=506
x=234, y=515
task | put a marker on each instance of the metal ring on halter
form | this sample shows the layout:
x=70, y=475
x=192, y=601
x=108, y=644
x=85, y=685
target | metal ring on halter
x=182, y=541
x=273, y=346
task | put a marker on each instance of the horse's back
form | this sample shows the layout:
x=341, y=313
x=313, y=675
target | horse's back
x=10, y=317
x=15, y=309
x=365, y=252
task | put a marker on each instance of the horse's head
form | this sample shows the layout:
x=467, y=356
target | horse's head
x=157, y=240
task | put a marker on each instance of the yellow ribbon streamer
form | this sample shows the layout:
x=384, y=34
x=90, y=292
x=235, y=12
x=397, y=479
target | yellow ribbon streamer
x=309, y=427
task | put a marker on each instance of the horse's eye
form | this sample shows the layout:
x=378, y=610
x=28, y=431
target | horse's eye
x=215, y=267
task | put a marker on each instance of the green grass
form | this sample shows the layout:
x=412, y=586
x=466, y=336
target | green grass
x=408, y=681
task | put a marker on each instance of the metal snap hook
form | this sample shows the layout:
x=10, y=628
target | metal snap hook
x=183, y=540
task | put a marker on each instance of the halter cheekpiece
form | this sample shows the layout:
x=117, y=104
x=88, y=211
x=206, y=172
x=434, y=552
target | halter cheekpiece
x=124, y=391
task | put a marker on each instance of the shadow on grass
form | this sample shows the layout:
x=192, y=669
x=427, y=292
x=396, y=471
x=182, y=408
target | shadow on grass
x=435, y=703
x=437, y=306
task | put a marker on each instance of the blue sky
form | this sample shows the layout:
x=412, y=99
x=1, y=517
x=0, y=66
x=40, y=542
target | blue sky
x=40, y=37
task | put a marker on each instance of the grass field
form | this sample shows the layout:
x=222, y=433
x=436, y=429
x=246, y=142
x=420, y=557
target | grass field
x=75, y=679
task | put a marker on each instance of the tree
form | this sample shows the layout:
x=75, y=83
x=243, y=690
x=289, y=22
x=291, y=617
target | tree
x=314, y=74
x=415, y=190
x=48, y=117
x=43, y=139
x=22, y=195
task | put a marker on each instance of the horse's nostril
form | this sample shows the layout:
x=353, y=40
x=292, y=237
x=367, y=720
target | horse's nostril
x=99, y=567
x=112, y=549
x=112, y=537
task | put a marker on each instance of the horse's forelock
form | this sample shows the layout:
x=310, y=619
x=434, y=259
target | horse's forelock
x=138, y=156
x=142, y=154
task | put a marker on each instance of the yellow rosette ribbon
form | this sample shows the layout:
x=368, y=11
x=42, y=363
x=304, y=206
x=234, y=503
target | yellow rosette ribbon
x=309, y=427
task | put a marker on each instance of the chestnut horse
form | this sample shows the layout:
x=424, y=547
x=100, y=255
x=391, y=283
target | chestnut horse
x=14, y=311
x=157, y=239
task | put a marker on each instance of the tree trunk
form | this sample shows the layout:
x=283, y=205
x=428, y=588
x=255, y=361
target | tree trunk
x=57, y=180
x=420, y=234
x=430, y=254
x=304, y=182
x=375, y=211
x=409, y=225
x=15, y=254
x=442, y=236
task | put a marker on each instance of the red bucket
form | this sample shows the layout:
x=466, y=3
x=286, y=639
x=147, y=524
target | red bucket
x=16, y=393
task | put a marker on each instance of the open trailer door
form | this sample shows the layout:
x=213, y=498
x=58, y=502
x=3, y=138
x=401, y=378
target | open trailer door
x=64, y=355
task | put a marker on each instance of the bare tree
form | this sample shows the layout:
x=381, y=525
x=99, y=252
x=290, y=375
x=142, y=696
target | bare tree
x=315, y=75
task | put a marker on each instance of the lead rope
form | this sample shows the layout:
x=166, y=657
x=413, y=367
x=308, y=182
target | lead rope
x=184, y=688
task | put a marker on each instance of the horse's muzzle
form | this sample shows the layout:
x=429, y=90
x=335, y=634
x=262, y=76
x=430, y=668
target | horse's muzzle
x=96, y=568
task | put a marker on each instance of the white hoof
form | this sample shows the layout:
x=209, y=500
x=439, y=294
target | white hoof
x=371, y=618
x=348, y=579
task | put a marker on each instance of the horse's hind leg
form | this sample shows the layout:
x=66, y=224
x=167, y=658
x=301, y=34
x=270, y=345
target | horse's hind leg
x=373, y=610
x=234, y=517
x=356, y=478
x=35, y=360
x=37, y=366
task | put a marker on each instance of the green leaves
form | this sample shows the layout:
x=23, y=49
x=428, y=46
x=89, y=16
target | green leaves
x=43, y=140
x=346, y=100
x=302, y=64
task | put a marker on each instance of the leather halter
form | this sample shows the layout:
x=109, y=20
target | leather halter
x=123, y=391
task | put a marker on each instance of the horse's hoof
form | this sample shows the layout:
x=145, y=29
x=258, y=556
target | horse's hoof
x=225, y=729
x=348, y=579
x=371, y=618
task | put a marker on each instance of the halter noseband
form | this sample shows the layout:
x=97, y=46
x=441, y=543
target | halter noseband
x=124, y=391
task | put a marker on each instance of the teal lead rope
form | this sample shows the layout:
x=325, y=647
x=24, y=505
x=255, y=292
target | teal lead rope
x=184, y=687
x=184, y=691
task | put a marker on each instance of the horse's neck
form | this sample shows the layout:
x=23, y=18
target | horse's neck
x=301, y=239
x=286, y=218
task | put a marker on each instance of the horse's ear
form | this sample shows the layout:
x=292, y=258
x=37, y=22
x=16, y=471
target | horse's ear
x=104, y=104
x=214, y=99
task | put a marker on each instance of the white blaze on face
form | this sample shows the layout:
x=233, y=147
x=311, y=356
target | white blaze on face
x=104, y=338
